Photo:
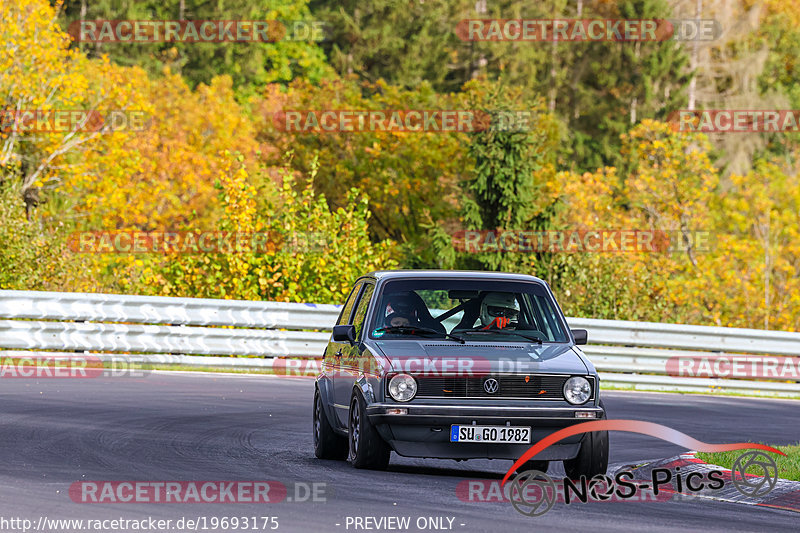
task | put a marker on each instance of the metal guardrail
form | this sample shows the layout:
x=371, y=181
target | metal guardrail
x=196, y=332
x=164, y=310
x=655, y=334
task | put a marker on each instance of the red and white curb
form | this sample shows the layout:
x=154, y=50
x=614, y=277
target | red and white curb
x=785, y=495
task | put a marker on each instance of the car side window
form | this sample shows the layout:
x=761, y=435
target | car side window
x=361, y=310
x=344, y=317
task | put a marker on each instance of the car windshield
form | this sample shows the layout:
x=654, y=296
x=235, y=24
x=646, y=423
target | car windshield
x=480, y=310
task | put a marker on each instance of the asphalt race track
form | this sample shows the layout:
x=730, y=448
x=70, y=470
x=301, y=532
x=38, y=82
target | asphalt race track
x=197, y=427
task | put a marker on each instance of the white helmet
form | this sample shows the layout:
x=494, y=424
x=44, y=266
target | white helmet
x=497, y=304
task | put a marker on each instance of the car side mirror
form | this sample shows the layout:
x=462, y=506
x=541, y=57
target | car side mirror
x=581, y=336
x=344, y=333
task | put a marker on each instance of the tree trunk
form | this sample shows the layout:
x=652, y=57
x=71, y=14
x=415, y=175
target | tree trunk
x=693, y=59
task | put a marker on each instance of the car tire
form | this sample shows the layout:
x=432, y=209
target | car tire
x=592, y=458
x=367, y=448
x=327, y=444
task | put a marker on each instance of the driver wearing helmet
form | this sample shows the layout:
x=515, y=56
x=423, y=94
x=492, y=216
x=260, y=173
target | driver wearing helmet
x=400, y=310
x=499, y=310
x=397, y=320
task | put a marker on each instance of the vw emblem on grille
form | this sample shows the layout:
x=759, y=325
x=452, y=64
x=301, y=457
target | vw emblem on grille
x=491, y=385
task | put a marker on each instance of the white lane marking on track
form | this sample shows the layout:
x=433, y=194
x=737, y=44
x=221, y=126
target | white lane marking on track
x=693, y=395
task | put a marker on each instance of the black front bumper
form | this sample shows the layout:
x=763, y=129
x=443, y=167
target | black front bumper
x=424, y=430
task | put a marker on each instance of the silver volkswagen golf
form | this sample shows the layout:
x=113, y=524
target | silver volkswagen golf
x=458, y=365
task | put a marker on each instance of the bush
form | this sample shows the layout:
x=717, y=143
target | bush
x=33, y=253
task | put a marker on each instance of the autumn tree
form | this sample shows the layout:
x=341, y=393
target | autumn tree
x=250, y=64
x=614, y=85
x=410, y=177
x=315, y=252
x=511, y=185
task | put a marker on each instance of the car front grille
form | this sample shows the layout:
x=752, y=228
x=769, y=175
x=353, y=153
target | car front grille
x=537, y=387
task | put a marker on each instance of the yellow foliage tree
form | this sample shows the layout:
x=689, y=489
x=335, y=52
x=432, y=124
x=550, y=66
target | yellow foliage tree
x=314, y=253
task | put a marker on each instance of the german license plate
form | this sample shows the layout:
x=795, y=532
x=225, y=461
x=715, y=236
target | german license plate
x=491, y=434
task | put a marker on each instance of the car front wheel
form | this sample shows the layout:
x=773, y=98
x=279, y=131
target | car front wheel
x=592, y=458
x=367, y=448
x=327, y=444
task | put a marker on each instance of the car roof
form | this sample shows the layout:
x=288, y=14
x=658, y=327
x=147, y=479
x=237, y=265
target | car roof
x=450, y=274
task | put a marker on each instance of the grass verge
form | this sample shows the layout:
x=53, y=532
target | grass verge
x=788, y=465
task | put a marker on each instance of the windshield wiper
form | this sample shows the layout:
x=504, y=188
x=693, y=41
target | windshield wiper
x=414, y=330
x=506, y=331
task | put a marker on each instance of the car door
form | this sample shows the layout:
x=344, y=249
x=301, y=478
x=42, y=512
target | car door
x=333, y=351
x=348, y=370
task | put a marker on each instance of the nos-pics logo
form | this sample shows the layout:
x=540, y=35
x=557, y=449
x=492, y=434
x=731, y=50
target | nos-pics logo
x=533, y=493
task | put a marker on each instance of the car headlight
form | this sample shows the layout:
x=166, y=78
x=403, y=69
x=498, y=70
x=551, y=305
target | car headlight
x=577, y=390
x=402, y=387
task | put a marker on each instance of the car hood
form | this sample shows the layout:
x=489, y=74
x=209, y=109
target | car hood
x=437, y=357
